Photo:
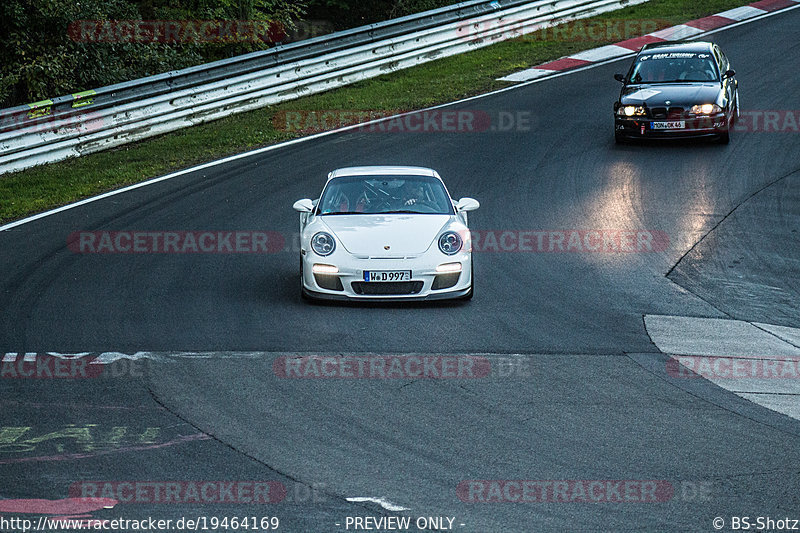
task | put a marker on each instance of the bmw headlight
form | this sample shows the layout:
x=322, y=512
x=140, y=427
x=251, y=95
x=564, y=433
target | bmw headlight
x=323, y=244
x=705, y=109
x=450, y=243
x=632, y=111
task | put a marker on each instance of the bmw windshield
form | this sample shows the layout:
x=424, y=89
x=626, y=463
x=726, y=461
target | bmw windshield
x=674, y=67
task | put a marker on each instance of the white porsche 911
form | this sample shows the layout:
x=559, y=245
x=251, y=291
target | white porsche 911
x=385, y=233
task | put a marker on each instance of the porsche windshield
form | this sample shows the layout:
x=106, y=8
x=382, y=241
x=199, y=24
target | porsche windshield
x=672, y=67
x=354, y=195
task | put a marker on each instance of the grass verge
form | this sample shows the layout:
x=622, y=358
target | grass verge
x=444, y=80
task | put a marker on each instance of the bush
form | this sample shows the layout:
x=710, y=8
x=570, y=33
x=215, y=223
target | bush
x=41, y=60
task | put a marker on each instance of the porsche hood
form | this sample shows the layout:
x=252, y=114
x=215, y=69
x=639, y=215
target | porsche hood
x=386, y=235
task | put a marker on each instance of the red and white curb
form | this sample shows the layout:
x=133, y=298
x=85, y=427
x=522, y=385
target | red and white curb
x=673, y=33
x=758, y=362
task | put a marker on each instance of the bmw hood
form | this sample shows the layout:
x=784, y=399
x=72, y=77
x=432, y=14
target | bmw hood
x=684, y=95
x=386, y=235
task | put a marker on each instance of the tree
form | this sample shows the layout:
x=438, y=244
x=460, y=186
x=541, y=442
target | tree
x=43, y=57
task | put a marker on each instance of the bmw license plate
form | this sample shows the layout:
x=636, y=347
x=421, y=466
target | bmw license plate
x=387, y=275
x=671, y=125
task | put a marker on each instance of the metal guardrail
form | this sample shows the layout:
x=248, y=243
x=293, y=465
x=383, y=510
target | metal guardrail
x=81, y=123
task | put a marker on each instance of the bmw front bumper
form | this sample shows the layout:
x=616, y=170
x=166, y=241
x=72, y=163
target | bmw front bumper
x=643, y=127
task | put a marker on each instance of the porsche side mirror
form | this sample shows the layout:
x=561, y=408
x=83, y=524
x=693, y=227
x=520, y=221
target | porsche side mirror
x=729, y=74
x=304, y=206
x=467, y=204
x=620, y=77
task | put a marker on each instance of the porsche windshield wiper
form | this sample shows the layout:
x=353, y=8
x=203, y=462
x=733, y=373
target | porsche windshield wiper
x=345, y=213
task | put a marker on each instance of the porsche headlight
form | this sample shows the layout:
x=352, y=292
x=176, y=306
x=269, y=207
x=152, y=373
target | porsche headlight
x=323, y=244
x=632, y=111
x=705, y=109
x=450, y=243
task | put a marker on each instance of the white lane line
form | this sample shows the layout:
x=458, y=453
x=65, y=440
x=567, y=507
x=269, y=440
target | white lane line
x=354, y=126
x=677, y=33
x=380, y=501
x=742, y=13
x=599, y=54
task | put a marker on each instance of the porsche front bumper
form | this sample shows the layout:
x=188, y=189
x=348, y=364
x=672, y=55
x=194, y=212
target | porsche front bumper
x=425, y=283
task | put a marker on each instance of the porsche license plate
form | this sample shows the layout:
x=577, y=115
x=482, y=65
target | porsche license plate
x=387, y=275
x=671, y=125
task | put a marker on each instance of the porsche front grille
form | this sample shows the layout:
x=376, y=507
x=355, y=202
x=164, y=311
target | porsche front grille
x=388, y=288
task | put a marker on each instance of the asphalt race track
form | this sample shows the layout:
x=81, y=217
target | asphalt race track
x=585, y=394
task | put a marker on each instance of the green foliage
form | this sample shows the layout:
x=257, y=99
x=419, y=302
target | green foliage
x=351, y=13
x=42, y=59
x=401, y=8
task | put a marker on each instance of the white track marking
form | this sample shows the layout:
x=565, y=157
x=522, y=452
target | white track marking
x=529, y=74
x=790, y=335
x=108, y=358
x=380, y=501
x=741, y=13
x=676, y=33
x=604, y=52
x=715, y=337
x=787, y=404
x=759, y=362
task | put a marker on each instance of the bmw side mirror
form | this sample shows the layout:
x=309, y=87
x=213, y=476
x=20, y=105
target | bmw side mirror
x=468, y=204
x=620, y=77
x=304, y=206
x=729, y=74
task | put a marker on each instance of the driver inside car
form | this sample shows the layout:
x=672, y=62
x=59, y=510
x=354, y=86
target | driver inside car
x=412, y=193
x=698, y=71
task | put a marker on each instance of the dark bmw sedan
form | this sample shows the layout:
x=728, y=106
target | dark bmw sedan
x=677, y=89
